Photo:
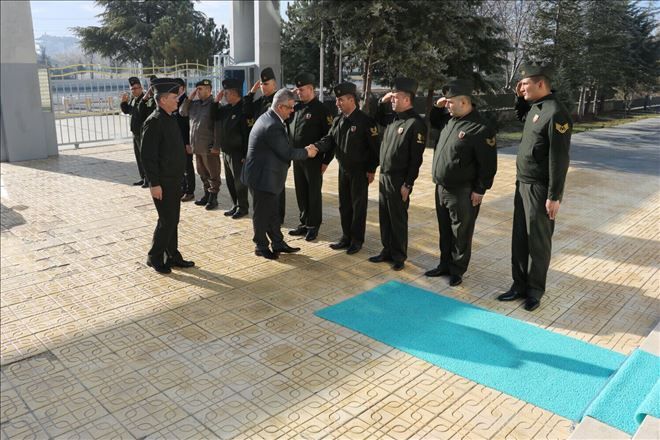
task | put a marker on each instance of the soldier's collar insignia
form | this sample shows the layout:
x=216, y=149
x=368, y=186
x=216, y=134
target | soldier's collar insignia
x=400, y=130
x=535, y=118
x=374, y=131
x=250, y=122
x=491, y=141
x=561, y=128
x=329, y=119
x=461, y=135
x=308, y=116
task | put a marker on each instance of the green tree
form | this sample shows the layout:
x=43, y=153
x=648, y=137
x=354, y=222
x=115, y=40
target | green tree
x=153, y=31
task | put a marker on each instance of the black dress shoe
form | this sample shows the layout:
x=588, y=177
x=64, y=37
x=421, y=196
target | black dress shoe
x=341, y=244
x=398, y=265
x=239, y=214
x=353, y=249
x=380, y=258
x=145, y=184
x=139, y=182
x=159, y=267
x=511, y=295
x=312, y=233
x=187, y=197
x=231, y=212
x=455, y=280
x=437, y=272
x=532, y=304
x=266, y=253
x=300, y=230
x=181, y=263
x=286, y=249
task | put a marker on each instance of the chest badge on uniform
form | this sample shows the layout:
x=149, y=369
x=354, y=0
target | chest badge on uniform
x=491, y=141
x=561, y=128
x=308, y=116
x=400, y=130
x=329, y=119
x=233, y=116
x=461, y=135
x=353, y=128
x=374, y=131
x=535, y=118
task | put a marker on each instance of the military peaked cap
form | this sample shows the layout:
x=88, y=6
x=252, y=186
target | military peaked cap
x=345, y=88
x=536, y=68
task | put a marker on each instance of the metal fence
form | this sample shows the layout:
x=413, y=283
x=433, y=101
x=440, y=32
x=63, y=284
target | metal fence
x=85, y=99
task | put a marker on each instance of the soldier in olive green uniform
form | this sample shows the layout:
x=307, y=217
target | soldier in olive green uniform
x=231, y=136
x=134, y=107
x=541, y=168
x=164, y=162
x=254, y=108
x=401, y=152
x=464, y=166
x=311, y=121
x=353, y=138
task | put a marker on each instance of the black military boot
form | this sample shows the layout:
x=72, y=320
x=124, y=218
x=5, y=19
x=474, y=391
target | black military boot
x=204, y=200
x=213, y=201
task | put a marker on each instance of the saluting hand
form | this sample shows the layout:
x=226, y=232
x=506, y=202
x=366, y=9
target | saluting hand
x=156, y=192
x=124, y=97
x=255, y=87
x=193, y=94
x=219, y=96
x=441, y=103
x=387, y=97
x=552, y=208
x=519, y=89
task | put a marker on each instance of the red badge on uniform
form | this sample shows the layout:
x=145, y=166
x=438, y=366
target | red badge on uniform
x=308, y=116
x=535, y=118
x=353, y=128
x=461, y=135
x=400, y=130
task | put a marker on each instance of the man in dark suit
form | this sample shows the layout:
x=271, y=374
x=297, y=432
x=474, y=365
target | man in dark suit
x=264, y=172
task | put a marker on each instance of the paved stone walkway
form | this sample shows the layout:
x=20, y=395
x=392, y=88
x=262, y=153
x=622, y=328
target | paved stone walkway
x=97, y=345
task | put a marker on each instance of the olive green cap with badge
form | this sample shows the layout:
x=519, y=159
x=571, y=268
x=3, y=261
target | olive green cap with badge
x=403, y=84
x=302, y=79
x=267, y=74
x=345, y=88
x=457, y=87
x=165, y=85
x=133, y=80
x=536, y=68
x=204, y=82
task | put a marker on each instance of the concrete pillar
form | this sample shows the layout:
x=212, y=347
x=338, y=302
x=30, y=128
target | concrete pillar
x=255, y=35
x=28, y=131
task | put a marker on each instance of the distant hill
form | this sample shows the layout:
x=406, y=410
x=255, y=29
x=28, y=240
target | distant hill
x=57, y=45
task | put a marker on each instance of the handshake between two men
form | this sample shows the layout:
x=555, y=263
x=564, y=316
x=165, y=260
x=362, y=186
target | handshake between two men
x=312, y=151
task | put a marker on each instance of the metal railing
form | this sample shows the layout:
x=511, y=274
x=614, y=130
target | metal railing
x=85, y=99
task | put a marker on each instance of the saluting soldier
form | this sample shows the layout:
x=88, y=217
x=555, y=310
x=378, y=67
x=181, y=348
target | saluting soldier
x=148, y=101
x=311, y=121
x=464, y=166
x=188, y=180
x=164, y=161
x=541, y=168
x=401, y=153
x=257, y=107
x=133, y=106
x=231, y=136
x=201, y=138
x=353, y=139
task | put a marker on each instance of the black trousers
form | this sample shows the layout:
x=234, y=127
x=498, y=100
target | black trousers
x=308, y=179
x=456, y=220
x=237, y=190
x=531, y=244
x=353, y=198
x=393, y=217
x=281, y=209
x=266, y=219
x=188, y=180
x=138, y=156
x=165, y=241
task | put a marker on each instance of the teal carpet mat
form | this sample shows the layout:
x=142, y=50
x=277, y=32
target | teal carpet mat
x=552, y=371
x=631, y=394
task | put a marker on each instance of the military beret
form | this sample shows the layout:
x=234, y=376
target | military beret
x=267, y=74
x=402, y=84
x=165, y=85
x=457, y=87
x=180, y=82
x=232, y=83
x=536, y=68
x=345, y=88
x=134, y=80
x=302, y=79
x=204, y=82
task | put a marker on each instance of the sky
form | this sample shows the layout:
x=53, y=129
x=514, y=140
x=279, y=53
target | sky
x=57, y=17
